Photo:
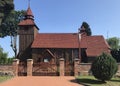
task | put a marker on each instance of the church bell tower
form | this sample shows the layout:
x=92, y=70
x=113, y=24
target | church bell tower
x=27, y=32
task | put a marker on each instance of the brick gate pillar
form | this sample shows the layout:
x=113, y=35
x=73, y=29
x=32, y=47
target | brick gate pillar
x=62, y=67
x=76, y=68
x=15, y=66
x=29, y=67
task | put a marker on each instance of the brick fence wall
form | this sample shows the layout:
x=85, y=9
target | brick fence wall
x=6, y=68
x=81, y=68
x=84, y=68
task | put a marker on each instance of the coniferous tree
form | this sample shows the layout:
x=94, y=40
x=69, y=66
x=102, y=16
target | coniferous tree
x=87, y=28
x=104, y=67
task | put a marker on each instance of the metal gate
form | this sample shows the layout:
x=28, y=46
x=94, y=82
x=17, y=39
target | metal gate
x=45, y=69
x=22, y=69
x=69, y=69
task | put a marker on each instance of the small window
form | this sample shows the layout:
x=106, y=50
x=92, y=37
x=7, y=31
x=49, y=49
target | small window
x=46, y=60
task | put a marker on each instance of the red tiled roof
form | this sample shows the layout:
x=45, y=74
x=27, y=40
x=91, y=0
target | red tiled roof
x=27, y=22
x=96, y=52
x=97, y=42
x=94, y=45
x=57, y=40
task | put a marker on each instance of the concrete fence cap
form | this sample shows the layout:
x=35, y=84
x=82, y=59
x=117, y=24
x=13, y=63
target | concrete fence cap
x=61, y=59
x=76, y=59
x=16, y=60
x=29, y=59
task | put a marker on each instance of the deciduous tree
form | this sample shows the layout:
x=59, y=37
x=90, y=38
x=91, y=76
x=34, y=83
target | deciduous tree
x=114, y=43
x=9, y=27
x=6, y=6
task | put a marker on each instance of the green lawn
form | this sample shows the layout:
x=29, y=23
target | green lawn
x=4, y=78
x=91, y=81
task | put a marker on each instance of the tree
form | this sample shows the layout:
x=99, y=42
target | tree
x=115, y=47
x=87, y=28
x=9, y=20
x=10, y=60
x=104, y=67
x=3, y=57
x=114, y=43
x=10, y=26
x=116, y=54
x=6, y=6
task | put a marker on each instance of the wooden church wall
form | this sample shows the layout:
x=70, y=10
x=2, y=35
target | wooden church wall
x=26, y=37
x=67, y=54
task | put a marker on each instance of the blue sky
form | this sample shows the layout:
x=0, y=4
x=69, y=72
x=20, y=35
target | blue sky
x=58, y=16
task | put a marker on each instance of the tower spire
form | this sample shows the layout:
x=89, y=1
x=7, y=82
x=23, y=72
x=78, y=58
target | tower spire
x=29, y=14
x=28, y=3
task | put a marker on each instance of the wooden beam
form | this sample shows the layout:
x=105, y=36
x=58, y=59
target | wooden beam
x=50, y=53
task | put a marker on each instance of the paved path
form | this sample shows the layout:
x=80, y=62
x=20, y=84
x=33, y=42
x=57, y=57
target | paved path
x=41, y=81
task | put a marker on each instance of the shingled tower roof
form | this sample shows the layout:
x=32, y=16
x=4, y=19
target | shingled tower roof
x=29, y=13
x=29, y=18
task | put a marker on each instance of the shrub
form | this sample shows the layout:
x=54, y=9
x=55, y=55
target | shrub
x=104, y=67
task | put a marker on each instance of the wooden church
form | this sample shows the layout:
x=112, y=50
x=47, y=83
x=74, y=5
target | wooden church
x=50, y=47
x=46, y=49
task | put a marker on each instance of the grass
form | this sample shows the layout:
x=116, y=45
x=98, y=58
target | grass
x=91, y=81
x=4, y=78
